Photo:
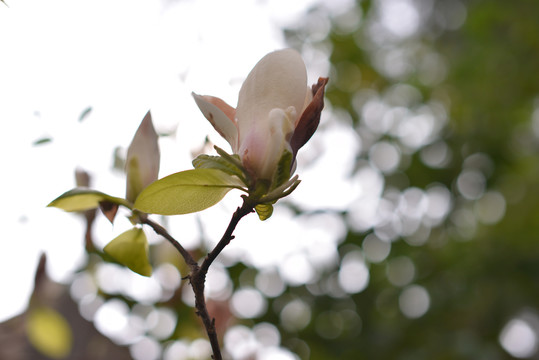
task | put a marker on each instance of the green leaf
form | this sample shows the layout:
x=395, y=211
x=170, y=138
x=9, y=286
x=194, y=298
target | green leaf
x=282, y=174
x=49, y=332
x=131, y=249
x=217, y=162
x=264, y=211
x=186, y=192
x=233, y=159
x=85, y=113
x=81, y=199
x=41, y=141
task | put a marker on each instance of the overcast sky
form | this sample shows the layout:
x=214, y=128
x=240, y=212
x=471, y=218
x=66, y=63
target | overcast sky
x=120, y=58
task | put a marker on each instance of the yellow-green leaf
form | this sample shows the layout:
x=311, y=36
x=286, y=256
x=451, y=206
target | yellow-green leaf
x=131, y=249
x=81, y=199
x=49, y=332
x=186, y=192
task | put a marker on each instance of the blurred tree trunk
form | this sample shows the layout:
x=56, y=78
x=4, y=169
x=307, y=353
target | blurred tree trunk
x=87, y=342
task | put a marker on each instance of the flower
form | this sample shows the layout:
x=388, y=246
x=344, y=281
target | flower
x=142, y=162
x=277, y=113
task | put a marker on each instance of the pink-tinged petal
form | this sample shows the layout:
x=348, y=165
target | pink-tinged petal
x=310, y=118
x=277, y=81
x=221, y=116
x=142, y=162
x=263, y=146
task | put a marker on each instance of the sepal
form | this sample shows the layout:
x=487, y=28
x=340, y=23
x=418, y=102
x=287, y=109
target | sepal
x=282, y=173
x=109, y=209
x=281, y=191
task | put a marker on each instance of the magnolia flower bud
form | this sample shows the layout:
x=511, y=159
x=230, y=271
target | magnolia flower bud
x=276, y=113
x=142, y=163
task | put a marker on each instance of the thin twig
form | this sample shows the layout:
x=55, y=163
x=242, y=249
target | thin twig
x=197, y=275
x=246, y=208
x=164, y=233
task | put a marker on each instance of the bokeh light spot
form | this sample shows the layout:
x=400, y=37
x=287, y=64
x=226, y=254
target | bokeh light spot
x=439, y=204
x=400, y=271
x=89, y=305
x=375, y=250
x=267, y=334
x=276, y=354
x=329, y=324
x=296, y=269
x=176, y=350
x=490, y=208
x=240, y=342
x=83, y=285
x=200, y=349
x=373, y=115
x=295, y=316
x=248, y=303
x=384, y=156
x=353, y=274
x=161, y=323
x=436, y=155
x=348, y=21
x=416, y=130
x=145, y=349
x=168, y=276
x=269, y=282
x=400, y=17
x=414, y=301
x=451, y=14
x=471, y=184
x=218, y=284
x=111, y=319
x=413, y=203
x=519, y=339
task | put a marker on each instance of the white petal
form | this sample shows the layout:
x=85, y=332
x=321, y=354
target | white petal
x=224, y=125
x=263, y=146
x=278, y=80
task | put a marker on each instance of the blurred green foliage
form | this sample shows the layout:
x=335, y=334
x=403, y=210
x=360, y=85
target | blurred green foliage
x=479, y=275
